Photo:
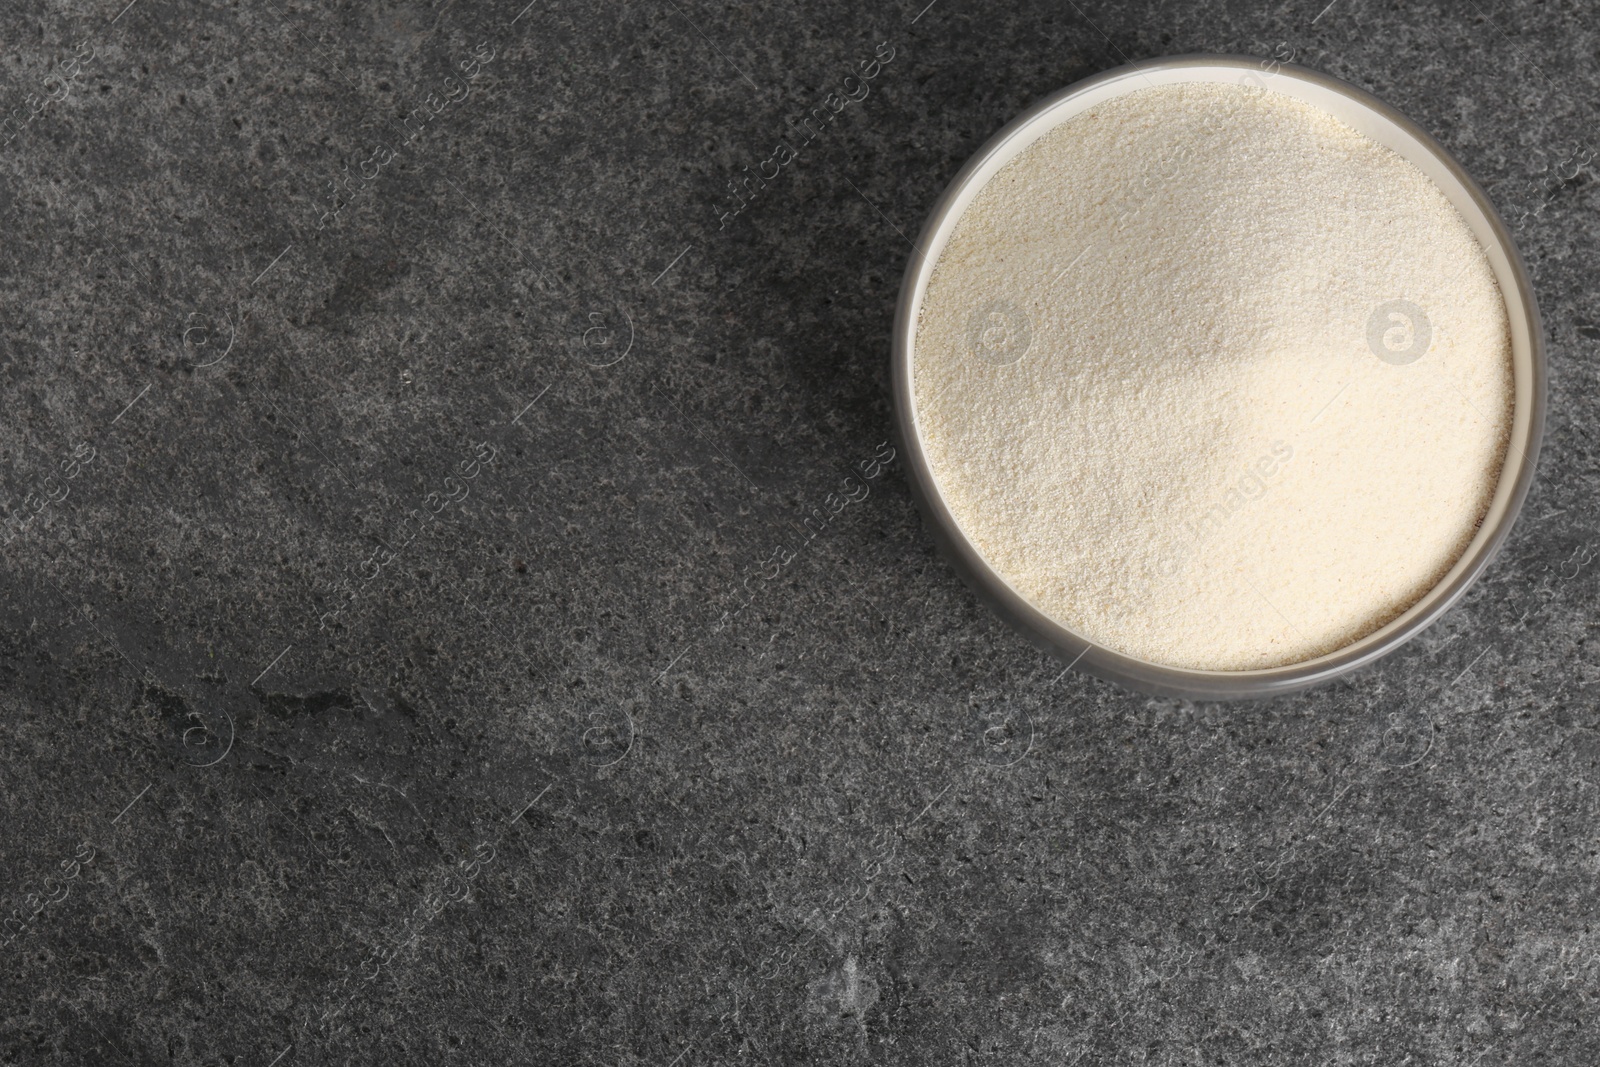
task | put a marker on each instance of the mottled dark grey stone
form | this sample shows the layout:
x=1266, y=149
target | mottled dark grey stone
x=578, y=774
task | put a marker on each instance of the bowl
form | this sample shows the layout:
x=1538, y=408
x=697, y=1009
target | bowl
x=1381, y=123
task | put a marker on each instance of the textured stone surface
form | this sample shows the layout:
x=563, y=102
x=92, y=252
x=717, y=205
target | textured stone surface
x=393, y=666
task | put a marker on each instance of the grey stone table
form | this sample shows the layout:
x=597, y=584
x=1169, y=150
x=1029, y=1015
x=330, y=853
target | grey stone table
x=459, y=606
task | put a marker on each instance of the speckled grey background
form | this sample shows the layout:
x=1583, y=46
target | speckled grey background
x=394, y=667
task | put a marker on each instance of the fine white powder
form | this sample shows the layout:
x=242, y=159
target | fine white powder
x=1213, y=379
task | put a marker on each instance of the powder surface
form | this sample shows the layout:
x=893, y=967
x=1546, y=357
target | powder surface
x=1213, y=379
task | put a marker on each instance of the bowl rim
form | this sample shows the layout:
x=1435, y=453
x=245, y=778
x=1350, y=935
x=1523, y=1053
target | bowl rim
x=1160, y=679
